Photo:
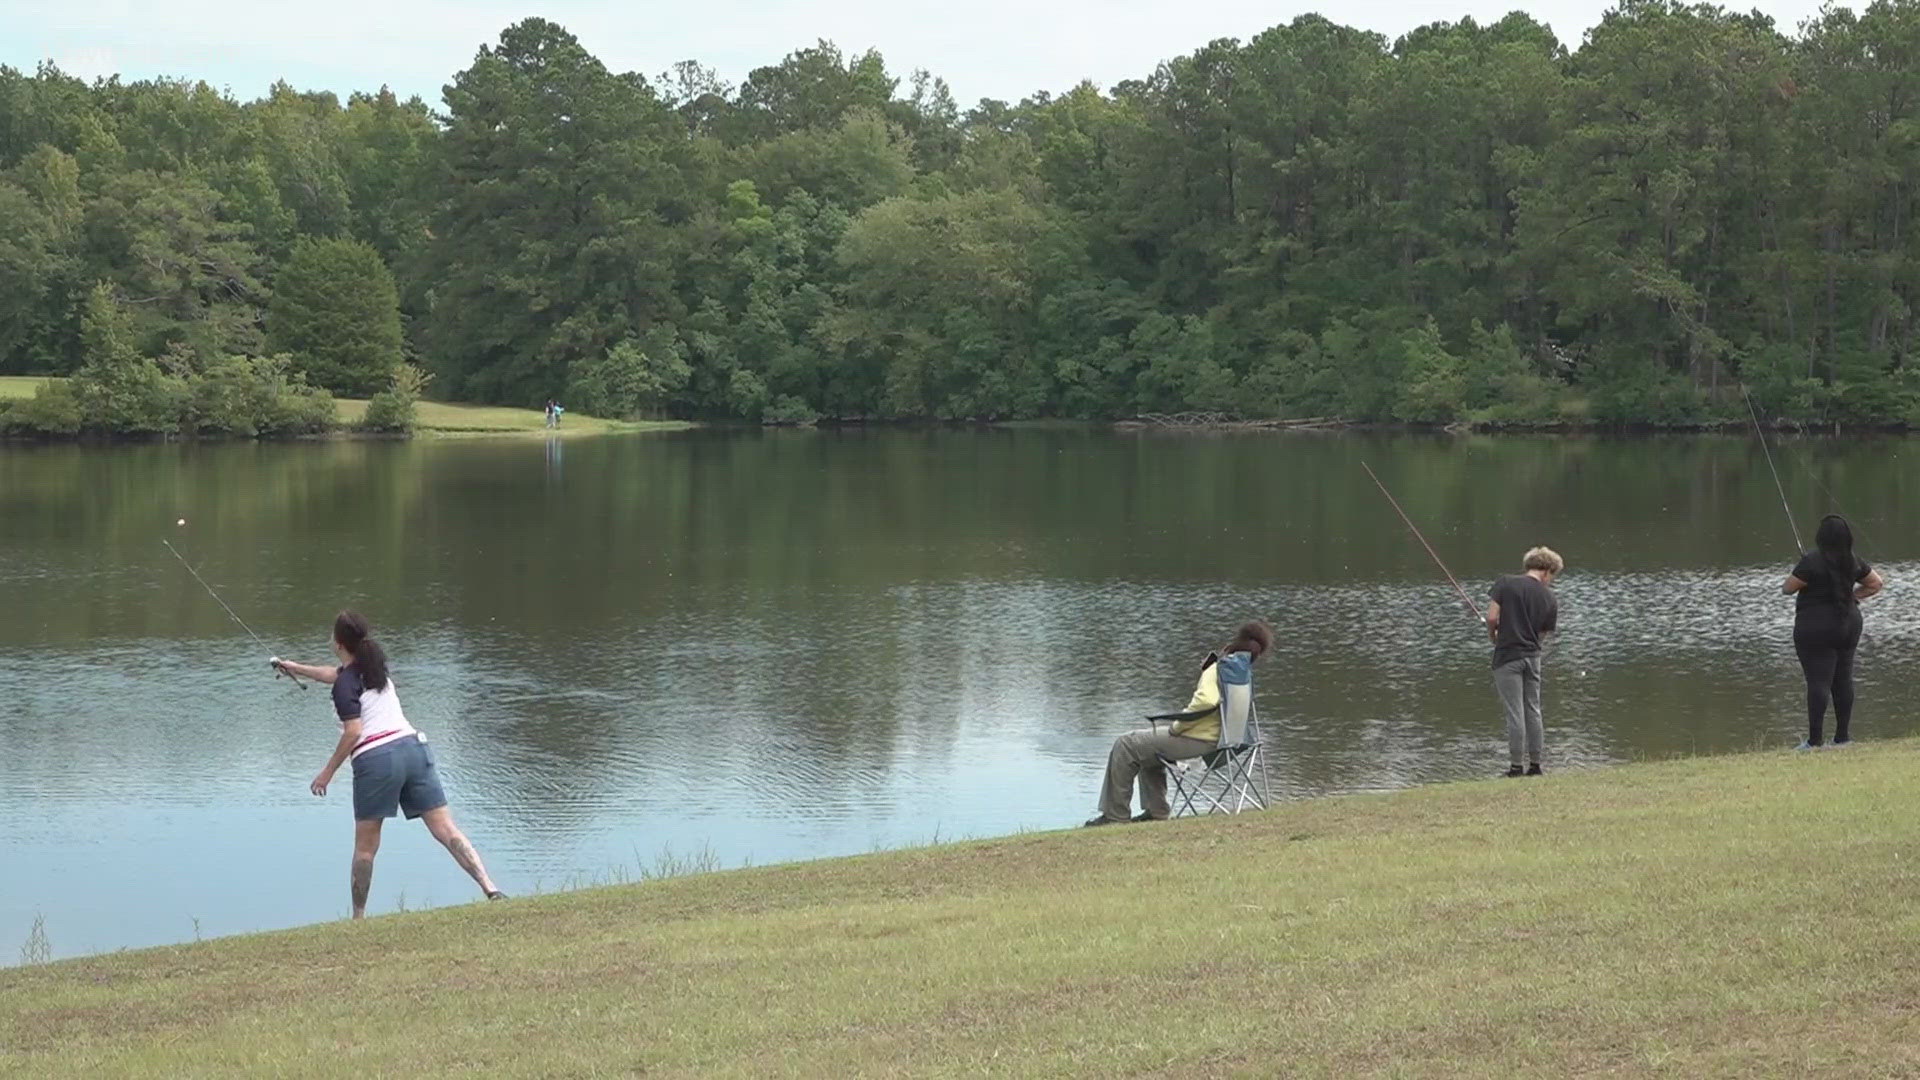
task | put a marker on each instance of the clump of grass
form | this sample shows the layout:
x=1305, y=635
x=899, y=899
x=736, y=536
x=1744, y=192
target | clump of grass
x=37, y=949
x=666, y=864
x=669, y=864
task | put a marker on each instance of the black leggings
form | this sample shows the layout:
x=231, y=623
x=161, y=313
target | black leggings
x=1826, y=647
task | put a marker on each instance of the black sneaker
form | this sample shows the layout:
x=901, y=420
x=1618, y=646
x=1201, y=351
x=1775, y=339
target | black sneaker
x=1144, y=816
x=496, y=895
x=1534, y=769
x=1515, y=771
x=1101, y=820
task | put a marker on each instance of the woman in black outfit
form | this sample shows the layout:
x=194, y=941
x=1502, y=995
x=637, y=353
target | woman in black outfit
x=1827, y=586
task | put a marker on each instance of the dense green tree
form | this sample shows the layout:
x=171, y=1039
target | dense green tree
x=188, y=275
x=551, y=242
x=386, y=163
x=812, y=88
x=1471, y=221
x=336, y=313
x=117, y=388
x=939, y=315
x=632, y=379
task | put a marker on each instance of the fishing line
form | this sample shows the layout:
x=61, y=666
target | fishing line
x=1777, y=485
x=1471, y=606
x=1852, y=522
x=230, y=612
x=1807, y=467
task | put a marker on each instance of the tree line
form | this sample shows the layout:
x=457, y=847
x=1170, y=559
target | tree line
x=1470, y=222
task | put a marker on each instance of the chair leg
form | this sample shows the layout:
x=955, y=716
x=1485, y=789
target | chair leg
x=1225, y=789
x=1216, y=801
x=1245, y=779
x=1182, y=802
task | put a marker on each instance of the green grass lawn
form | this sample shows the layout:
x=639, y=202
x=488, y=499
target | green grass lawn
x=438, y=417
x=19, y=386
x=1752, y=915
x=443, y=418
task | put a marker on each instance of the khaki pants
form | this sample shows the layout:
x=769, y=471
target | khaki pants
x=1138, y=753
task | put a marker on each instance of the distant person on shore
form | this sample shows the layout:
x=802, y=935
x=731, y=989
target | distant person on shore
x=1827, y=586
x=1138, y=754
x=1522, y=611
x=552, y=417
x=393, y=768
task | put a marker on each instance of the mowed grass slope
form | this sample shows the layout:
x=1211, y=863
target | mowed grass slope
x=1735, y=916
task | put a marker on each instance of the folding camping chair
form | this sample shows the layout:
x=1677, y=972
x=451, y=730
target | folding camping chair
x=1233, y=775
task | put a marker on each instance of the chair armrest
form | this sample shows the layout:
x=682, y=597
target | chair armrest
x=1175, y=717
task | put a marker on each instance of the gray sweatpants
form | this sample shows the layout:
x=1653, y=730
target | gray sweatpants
x=1518, y=683
x=1138, y=753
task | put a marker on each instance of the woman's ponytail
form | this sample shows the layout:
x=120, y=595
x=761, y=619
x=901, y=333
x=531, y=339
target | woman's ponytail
x=350, y=629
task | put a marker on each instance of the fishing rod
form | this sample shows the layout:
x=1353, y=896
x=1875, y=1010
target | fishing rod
x=1808, y=469
x=1464, y=598
x=277, y=669
x=1777, y=485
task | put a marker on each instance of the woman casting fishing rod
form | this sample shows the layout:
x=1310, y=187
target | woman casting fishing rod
x=1827, y=586
x=393, y=768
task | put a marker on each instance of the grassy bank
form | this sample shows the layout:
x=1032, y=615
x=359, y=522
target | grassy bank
x=438, y=418
x=445, y=419
x=1750, y=915
x=15, y=387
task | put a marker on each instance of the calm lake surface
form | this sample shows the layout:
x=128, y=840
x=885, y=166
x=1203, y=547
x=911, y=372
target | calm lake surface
x=749, y=646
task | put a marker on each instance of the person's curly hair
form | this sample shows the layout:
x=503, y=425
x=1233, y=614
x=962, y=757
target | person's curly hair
x=1253, y=637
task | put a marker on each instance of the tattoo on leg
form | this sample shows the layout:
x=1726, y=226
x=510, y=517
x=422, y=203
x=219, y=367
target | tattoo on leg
x=468, y=858
x=362, y=880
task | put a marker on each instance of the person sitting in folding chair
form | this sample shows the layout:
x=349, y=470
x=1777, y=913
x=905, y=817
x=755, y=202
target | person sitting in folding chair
x=1195, y=731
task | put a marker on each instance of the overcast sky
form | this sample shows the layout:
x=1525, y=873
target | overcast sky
x=985, y=48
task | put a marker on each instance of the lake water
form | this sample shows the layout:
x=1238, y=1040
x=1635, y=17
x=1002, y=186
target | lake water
x=746, y=646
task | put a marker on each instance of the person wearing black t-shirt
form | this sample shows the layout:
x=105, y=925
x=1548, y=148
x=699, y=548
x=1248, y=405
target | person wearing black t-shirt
x=1523, y=609
x=1827, y=585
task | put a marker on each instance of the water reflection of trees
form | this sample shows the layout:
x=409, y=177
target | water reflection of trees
x=269, y=525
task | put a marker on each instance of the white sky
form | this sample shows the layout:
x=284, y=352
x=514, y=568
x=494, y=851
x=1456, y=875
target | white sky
x=984, y=48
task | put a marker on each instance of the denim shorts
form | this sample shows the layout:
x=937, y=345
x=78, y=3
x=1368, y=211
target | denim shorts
x=395, y=777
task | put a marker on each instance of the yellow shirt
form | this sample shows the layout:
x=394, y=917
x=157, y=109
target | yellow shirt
x=1206, y=695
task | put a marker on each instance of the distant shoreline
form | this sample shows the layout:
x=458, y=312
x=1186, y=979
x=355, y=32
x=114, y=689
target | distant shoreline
x=433, y=420
x=451, y=420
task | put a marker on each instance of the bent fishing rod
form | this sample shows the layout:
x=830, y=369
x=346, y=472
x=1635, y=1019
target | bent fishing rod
x=277, y=669
x=1464, y=598
x=1815, y=477
x=1777, y=485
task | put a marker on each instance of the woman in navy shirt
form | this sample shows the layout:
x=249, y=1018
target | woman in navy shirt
x=393, y=768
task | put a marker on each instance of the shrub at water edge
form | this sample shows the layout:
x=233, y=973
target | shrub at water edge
x=392, y=409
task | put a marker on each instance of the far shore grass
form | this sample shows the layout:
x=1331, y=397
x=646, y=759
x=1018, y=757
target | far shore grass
x=1750, y=915
x=19, y=386
x=443, y=419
